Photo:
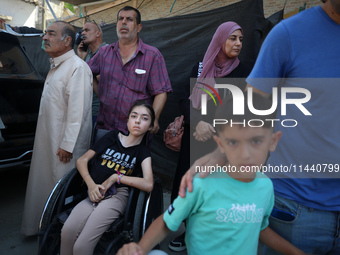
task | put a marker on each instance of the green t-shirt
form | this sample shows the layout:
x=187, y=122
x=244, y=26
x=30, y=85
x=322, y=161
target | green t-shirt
x=223, y=215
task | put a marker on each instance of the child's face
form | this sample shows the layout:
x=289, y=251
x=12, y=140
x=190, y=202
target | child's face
x=139, y=121
x=247, y=147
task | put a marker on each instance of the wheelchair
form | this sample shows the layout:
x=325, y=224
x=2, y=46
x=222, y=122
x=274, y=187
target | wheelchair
x=141, y=209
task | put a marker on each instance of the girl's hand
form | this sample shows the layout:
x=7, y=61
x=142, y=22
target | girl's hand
x=110, y=181
x=96, y=193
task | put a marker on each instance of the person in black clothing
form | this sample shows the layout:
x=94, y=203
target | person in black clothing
x=220, y=65
x=220, y=62
x=118, y=161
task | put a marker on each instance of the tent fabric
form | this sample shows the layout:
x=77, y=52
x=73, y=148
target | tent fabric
x=183, y=41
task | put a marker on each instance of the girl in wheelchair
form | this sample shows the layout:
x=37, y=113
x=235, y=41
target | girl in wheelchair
x=116, y=160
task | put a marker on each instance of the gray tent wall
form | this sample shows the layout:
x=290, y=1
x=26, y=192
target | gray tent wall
x=183, y=41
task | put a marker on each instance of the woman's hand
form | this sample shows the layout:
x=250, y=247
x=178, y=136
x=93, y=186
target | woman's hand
x=204, y=131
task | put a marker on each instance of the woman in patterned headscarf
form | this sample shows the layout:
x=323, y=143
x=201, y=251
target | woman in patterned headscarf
x=220, y=61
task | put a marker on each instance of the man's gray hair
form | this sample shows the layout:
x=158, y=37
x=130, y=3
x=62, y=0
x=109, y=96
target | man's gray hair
x=100, y=29
x=98, y=26
x=67, y=30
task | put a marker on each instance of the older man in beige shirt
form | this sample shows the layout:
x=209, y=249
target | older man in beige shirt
x=64, y=123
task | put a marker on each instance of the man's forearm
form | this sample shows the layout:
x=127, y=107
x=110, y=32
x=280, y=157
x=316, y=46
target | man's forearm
x=95, y=85
x=158, y=104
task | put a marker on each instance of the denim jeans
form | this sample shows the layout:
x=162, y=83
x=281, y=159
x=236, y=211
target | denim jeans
x=313, y=231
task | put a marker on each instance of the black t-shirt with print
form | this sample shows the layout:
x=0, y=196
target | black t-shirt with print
x=111, y=156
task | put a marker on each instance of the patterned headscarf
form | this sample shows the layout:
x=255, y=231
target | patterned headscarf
x=216, y=63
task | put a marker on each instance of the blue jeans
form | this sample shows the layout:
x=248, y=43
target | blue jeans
x=313, y=231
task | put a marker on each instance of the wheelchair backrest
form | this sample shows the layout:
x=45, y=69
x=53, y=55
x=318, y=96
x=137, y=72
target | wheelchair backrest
x=99, y=133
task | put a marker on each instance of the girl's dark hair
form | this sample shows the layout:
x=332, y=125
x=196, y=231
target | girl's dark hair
x=147, y=106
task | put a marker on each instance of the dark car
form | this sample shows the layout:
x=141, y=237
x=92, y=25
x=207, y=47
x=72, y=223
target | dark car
x=20, y=91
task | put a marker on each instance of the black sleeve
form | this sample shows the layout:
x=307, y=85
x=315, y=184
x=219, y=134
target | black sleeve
x=245, y=70
x=184, y=103
x=237, y=76
x=194, y=114
x=143, y=153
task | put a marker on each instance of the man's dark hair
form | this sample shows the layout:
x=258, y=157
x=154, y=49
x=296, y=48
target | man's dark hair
x=225, y=111
x=68, y=30
x=130, y=8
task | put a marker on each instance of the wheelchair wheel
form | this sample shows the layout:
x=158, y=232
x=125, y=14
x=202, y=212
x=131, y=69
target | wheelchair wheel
x=66, y=194
x=50, y=241
x=138, y=226
x=155, y=207
x=147, y=210
x=50, y=206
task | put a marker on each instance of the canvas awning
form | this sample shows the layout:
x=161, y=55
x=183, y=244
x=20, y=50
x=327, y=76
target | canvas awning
x=79, y=2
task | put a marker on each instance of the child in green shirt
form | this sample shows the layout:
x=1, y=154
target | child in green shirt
x=227, y=213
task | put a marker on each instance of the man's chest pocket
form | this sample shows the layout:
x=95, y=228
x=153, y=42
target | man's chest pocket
x=136, y=80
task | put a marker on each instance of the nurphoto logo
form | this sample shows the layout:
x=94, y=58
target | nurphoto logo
x=238, y=104
x=204, y=106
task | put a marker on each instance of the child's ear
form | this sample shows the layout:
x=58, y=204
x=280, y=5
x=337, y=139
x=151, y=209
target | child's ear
x=219, y=143
x=275, y=139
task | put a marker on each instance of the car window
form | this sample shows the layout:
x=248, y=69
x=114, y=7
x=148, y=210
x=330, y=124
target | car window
x=12, y=60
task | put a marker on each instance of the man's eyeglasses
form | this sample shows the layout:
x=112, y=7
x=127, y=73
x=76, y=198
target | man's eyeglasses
x=94, y=22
